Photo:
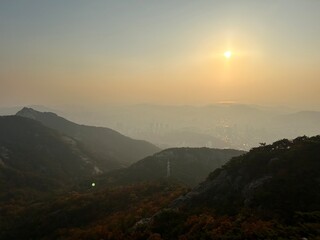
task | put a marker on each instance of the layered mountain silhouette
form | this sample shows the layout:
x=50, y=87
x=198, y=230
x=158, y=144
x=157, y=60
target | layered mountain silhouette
x=109, y=146
x=43, y=153
x=189, y=166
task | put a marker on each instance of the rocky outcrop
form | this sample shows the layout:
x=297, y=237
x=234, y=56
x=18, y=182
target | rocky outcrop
x=281, y=177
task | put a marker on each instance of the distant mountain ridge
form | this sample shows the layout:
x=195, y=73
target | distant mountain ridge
x=105, y=143
x=189, y=166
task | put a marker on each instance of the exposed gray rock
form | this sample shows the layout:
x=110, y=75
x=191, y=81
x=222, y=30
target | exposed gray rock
x=249, y=189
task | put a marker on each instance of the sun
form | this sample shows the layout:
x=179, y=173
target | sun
x=227, y=54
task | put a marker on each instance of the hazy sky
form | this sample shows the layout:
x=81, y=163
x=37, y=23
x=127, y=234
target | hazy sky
x=165, y=52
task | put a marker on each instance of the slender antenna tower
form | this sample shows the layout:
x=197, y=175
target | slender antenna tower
x=168, y=169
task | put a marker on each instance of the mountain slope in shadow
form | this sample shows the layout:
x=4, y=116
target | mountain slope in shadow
x=105, y=143
x=33, y=156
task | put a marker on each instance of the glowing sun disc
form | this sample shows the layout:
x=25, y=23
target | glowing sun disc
x=228, y=54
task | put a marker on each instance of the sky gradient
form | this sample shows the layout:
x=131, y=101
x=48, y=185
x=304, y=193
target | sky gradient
x=163, y=52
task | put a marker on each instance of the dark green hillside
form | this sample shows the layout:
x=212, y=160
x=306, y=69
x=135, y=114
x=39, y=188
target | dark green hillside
x=35, y=157
x=108, y=145
x=187, y=165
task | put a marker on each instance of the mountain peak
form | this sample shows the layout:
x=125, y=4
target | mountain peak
x=27, y=112
x=31, y=113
